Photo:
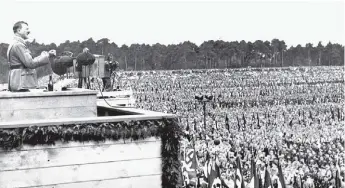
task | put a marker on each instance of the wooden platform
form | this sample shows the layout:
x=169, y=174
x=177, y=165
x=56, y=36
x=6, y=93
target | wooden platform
x=34, y=105
x=122, y=114
x=109, y=164
x=83, y=165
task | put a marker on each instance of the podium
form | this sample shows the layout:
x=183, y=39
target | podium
x=73, y=103
x=64, y=140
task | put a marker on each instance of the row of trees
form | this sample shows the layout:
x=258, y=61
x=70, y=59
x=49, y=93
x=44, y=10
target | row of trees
x=210, y=54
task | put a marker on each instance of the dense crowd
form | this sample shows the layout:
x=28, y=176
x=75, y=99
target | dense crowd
x=292, y=118
x=259, y=120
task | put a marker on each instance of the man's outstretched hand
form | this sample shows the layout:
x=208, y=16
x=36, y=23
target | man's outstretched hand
x=52, y=53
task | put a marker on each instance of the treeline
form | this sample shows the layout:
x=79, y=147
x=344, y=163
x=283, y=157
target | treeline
x=209, y=55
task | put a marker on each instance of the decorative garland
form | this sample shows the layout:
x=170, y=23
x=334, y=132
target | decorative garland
x=167, y=129
x=171, y=168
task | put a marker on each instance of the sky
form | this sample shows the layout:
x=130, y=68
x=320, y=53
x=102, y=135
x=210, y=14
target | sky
x=172, y=22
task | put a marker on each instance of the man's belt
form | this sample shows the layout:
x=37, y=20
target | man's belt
x=16, y=67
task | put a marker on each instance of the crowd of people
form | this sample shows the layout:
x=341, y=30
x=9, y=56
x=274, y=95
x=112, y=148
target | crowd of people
x=287, y=118
x=282, y=127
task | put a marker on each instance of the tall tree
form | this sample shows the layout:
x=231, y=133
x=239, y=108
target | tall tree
x=282, y=47
x=328, y=51
x=275, y=50
x=124, y=56
x=308, y=47
x=320, y=49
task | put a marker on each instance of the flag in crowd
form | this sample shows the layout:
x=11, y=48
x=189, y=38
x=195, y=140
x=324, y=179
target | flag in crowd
x=294, y=110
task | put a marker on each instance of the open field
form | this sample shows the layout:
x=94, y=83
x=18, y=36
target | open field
x=297, y=113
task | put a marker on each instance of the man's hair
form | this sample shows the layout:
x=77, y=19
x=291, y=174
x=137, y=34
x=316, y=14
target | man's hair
x=18, y=25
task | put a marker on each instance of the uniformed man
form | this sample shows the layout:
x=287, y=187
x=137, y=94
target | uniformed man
x=22, y=75
x=106, y=79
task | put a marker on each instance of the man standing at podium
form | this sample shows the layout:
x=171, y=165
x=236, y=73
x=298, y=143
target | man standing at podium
x=108, y=78
x=22, y=75
x=107, y=73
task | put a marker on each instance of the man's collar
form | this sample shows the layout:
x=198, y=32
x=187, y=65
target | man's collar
x=15, y=39
x=19, y=39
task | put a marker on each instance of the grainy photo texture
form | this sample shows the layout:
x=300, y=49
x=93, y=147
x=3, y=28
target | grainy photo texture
x=172, y=94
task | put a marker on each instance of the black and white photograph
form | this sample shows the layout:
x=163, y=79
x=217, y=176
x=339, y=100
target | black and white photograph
x=172, y=94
